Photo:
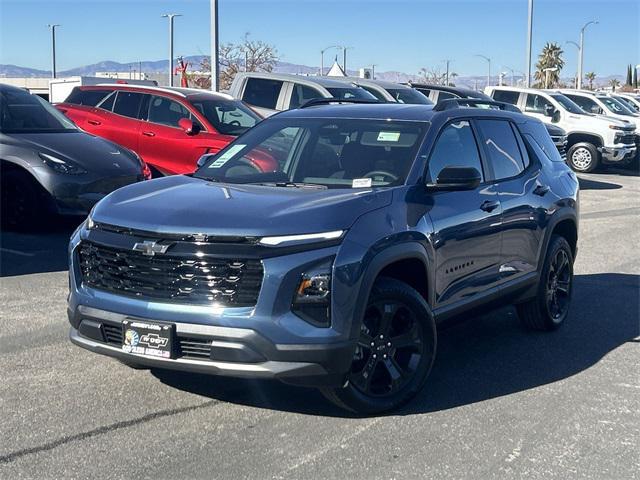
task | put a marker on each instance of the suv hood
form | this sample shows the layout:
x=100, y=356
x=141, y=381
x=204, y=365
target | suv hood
x=187, y=205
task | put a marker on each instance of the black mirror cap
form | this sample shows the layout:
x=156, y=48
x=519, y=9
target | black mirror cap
x=549, y=110
x=204, y=159
x=458, y=178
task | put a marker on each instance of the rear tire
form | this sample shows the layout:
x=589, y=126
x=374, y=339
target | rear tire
x=583, y=157
x=395, y=351
x=549, y=309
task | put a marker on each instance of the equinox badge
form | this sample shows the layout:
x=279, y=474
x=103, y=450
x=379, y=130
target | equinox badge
x=150, y=248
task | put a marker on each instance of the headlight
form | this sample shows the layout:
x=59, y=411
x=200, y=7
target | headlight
x=616, y=127
x=89, y=223
x=300, y=239
x=312, y=298
x=61, y=166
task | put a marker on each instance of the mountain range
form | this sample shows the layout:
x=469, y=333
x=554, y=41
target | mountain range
x=161, y=66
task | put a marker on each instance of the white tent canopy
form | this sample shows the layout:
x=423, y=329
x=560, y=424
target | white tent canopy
x=336, y=70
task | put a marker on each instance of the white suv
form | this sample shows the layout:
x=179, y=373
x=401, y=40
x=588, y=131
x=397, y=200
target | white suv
x=592, y=139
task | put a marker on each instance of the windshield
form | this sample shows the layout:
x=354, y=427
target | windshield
x=409, y=95
x=21, y=112
x=349, y=93
x=614, y=106
x=568, y=104
x=628, y=103
x=320, y=152
x=228, y=117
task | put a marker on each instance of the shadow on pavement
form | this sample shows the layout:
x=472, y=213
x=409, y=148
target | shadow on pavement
x=588, y=184
x=41, y=251
x=483, y=358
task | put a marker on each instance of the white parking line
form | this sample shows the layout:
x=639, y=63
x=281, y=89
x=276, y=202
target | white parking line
x=17, y=252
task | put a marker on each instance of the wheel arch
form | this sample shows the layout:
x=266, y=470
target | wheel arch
x=579, y=137
x=565, y=224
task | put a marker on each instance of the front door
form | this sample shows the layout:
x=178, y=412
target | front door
x=466, y=224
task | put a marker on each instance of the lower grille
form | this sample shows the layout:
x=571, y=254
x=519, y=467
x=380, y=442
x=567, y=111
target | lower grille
x=627, y=138
x=225, y=282
x=189, y=347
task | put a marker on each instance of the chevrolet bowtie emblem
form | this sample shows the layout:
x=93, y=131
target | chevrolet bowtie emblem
x=150, y=248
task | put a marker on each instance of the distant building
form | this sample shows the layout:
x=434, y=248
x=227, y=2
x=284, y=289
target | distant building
x=35, y=85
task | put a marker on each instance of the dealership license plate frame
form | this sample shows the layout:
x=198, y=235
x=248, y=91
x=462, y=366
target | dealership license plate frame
x=149, y=339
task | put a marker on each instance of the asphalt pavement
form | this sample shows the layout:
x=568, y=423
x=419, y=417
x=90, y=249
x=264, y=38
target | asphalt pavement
x=501, y=402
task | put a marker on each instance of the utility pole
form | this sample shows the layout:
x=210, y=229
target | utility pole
x=447, y=74
x=582, y=51
x=53, y=26
x=373, y=71
x=489, y=72
x=215, y=70
x=575, y=84
x=171, y=16
x=344, y=59
x=322, y=58
x=529, y=34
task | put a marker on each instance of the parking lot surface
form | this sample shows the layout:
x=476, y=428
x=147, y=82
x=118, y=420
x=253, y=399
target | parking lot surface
x=500, y=403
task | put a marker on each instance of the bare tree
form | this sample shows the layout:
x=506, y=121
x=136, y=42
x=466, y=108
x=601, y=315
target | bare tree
x=250, y=55
x=433, y=75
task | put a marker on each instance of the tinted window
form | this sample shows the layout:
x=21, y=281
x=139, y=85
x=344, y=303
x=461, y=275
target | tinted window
x=616, y=106
x=425, y=91
x=86, y=97
x=456, y=146
x=567, y=103
x=128, y=104
x=348, y=93
x=409, y=95
x=506, y=96
x=446, y=96
x=375, y=93
x=229, y=117
x=585, y=103
x=262, y=92
x=536, y=103
x=502, y=147
x=301, y=94
x=166, y=112
x=21, y=112
x=107, y=103
x=543, y=141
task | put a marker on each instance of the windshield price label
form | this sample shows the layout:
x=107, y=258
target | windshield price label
x=226, y=156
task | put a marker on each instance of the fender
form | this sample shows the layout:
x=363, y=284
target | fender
x=403, y=251
x=565, y=213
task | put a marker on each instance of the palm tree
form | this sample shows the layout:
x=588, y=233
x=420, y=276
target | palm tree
x=550, y=57
x=591, y=76
x=613, y=83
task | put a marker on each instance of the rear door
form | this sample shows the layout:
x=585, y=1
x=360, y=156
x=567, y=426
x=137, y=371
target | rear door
x=521, y=191
x=466, y=223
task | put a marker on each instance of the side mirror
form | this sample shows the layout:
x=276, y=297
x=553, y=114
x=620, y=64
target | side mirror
x=204, y=159
x=457, y=178
x=188, y=126
x=595, y=109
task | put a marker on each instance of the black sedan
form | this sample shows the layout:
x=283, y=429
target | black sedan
x=50, y=166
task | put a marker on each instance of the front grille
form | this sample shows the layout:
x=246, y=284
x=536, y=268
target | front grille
x=189, y=347
x=223, y=281
x=626, y=138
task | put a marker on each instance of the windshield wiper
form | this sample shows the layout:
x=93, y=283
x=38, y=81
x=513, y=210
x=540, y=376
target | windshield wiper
x=290, y=185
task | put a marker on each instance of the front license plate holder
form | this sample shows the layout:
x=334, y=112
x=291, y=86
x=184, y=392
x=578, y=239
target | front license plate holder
x=150, y=339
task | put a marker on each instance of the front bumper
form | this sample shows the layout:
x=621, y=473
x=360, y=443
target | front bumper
x=217, y=350
x=618, y=154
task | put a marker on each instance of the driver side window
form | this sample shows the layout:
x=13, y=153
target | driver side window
x=456, y=146
x=537, y=104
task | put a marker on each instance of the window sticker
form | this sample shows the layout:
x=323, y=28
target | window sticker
x=388, y=136
x=361, y=183
x=226, y=156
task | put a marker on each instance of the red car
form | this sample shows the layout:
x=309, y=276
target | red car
x=170, y=128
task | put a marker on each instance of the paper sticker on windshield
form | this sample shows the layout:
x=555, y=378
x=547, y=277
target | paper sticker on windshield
x=226, y=156
x=361, y=183
x=388, y=136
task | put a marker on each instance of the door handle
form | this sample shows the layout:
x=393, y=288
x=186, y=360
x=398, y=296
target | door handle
x=489, y=205
x=541, y=190
x=94, y=122
x=149, y=134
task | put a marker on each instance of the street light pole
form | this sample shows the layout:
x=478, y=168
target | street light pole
x=171, y=16
x=580, y=60
x=489, y=72
x=579, y=53
x=53, y=26
x=215, y=71
x=322, y=58
x=546, y=75
x=447, y=74
x=344, y=58
x=529, y=35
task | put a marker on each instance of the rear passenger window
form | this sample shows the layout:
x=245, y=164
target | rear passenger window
x=301, y=94
x=128, y=104
x=107, y=103
x=506, y=96
x=446, y=96
x=86, y=97
x=262, y=92
x=166, y=112
x=456, y=146
x=501, y=146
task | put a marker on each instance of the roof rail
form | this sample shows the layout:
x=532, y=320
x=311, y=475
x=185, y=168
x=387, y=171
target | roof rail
x=326, y=101
x=452, y=103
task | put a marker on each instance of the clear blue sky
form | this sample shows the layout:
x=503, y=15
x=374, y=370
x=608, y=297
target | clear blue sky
x=396, y=35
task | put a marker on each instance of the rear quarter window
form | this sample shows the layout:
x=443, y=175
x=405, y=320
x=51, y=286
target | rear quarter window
x=86, y=97
x=262, y=92
x=506, y=96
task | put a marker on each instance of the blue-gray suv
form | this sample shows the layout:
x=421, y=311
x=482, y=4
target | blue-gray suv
x=332, y=267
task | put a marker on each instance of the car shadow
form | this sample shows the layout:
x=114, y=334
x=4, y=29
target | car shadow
x=37, y=251
x=483, y=358
x=588, y=184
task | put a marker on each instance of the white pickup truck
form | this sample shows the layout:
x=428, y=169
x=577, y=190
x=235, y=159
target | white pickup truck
x=592, y=139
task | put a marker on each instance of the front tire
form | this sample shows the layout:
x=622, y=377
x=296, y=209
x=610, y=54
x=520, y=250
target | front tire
x=394, y=354
x=549, y=309
x=583, y=157
x=21, y=205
